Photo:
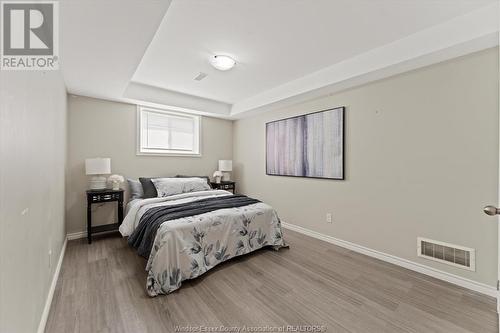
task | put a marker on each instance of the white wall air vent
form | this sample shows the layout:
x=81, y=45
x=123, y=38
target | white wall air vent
x=451, y=254
x=200, y=76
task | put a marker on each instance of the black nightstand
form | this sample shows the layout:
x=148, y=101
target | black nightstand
x=98, y=196
x=228, y=186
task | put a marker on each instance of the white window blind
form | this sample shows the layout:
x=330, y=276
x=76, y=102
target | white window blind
x=169, y=133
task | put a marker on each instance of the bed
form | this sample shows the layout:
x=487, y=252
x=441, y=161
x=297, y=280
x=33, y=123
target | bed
x=184, y=235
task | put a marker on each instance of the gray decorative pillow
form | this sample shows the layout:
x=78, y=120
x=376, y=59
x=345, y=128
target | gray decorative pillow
x=148, y=188
x=135, y=189
x=170, y=186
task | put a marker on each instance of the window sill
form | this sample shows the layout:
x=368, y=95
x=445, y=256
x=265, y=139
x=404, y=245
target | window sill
x=168, y=154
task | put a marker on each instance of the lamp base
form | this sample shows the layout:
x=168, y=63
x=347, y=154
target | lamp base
x=97, y=183
x=226, y=176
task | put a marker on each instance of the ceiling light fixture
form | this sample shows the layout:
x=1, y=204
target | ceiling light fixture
x=222, y=62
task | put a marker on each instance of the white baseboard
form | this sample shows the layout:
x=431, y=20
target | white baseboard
x=436, y=273
x=82, y=234
x=50, y=296
x=76, y=235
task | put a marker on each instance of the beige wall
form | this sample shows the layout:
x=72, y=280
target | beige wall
x=99, y=128
x=32, y=166
x=421, y=160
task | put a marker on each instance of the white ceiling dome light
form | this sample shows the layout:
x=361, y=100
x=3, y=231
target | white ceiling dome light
x=222, y=62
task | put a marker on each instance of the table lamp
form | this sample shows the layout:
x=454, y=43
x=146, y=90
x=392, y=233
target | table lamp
x=226, y=166
x=97, y=167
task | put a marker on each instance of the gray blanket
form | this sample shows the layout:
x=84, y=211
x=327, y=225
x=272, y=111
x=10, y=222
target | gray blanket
x=144, y=235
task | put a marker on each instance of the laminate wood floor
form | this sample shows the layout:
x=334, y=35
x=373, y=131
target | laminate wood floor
x=101, y=289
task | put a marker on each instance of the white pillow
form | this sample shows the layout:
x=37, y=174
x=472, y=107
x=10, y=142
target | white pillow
x=170, y=186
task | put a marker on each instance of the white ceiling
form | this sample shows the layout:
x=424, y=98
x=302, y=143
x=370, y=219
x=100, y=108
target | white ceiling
x=275, y=41
x=103, y=41
x=150, y=52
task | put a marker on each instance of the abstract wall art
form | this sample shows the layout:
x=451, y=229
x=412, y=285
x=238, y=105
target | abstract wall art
x=310, y=145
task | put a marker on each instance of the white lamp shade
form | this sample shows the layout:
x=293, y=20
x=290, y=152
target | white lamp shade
x=225, y=165
x=97, y=166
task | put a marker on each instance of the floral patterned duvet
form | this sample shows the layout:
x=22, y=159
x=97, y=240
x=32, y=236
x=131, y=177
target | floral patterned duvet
x=188, y=247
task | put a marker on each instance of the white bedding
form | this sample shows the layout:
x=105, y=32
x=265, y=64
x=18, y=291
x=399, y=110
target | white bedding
x=130, y=204
x=187, y=247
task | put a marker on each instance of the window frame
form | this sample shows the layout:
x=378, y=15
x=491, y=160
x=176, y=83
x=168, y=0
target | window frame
x=140, y=151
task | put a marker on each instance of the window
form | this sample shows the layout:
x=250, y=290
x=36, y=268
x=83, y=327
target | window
x=167, y=133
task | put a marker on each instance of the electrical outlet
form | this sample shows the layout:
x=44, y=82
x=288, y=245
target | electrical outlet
x=329, y=218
